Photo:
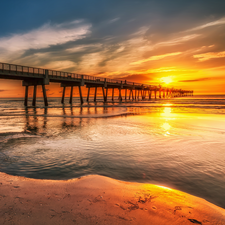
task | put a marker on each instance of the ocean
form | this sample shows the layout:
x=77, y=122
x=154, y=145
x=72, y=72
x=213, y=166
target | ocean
x=177, y=143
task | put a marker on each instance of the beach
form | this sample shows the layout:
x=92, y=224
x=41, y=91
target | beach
x=131, y=163
x=100, y=200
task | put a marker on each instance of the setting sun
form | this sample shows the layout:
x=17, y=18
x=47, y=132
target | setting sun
x=166, y=80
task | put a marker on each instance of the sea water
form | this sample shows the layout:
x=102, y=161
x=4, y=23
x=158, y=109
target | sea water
x=177, y=143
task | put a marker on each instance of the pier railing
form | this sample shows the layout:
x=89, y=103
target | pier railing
x=60, y=74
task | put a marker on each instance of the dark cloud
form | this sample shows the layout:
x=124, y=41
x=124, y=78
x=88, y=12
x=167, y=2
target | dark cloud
x=2, y=90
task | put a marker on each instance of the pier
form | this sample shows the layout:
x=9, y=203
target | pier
x=31, y=76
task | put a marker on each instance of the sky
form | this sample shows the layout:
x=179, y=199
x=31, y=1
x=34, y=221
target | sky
x=175, y=43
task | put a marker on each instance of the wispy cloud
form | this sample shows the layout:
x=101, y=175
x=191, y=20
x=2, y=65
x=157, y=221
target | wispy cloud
x=145, y=72
x=44, y=37
x=214, y=23
x=114, y=20
x=209, y=55
x=177, y=41
x=156, y=57
x=60, y=65
x=202, y=79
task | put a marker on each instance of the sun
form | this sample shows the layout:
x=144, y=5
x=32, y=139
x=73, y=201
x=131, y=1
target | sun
x=166, y=80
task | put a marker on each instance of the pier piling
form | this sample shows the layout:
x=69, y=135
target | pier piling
x=81, y=97
x=71, y=95
x=63, y=95
x=34, y=95
x=95, y=94
x=26, y=95
x=44, y=95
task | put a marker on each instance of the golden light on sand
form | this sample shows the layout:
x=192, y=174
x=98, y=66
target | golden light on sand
x=166, y=80
x=165, y=187
x=156, y=187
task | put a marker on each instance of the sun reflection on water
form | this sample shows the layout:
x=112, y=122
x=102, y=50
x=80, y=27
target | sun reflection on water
x=167, y=115
x=166, y=126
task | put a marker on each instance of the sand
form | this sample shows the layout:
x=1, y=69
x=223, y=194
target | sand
x=99, y=200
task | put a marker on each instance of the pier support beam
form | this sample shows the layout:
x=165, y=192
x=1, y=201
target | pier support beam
x=95, y=94
x=142, y=94
x=106, y=94
x=81, y=97
x=150, y=95
x=26, y=95
x=120, y=95
x=132, y=95
x=44, y=95
x=63, y=95
x=125, y=94
x=71, y=95
x=34, y=95
x=88, y=94
x=113, y=94
x=103, y=93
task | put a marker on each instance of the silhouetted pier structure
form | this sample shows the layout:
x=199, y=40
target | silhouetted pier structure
x=31, y=76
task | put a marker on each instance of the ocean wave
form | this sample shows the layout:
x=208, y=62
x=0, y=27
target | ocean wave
x=121, y=110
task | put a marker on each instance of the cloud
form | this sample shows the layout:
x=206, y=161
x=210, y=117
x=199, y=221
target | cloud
x=60, y=65
x=44, y=37
x=144, y=74
x=163, y=70
x=156, y=70
x=209, y=55
x=214, y=23
x=114, y=20
x=156, y=57
x=202, y=79
x=177, y=41
x=2, y=90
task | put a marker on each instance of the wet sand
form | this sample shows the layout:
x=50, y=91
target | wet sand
x=99, y=200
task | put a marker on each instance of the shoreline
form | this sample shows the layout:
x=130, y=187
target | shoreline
x=96, y=199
